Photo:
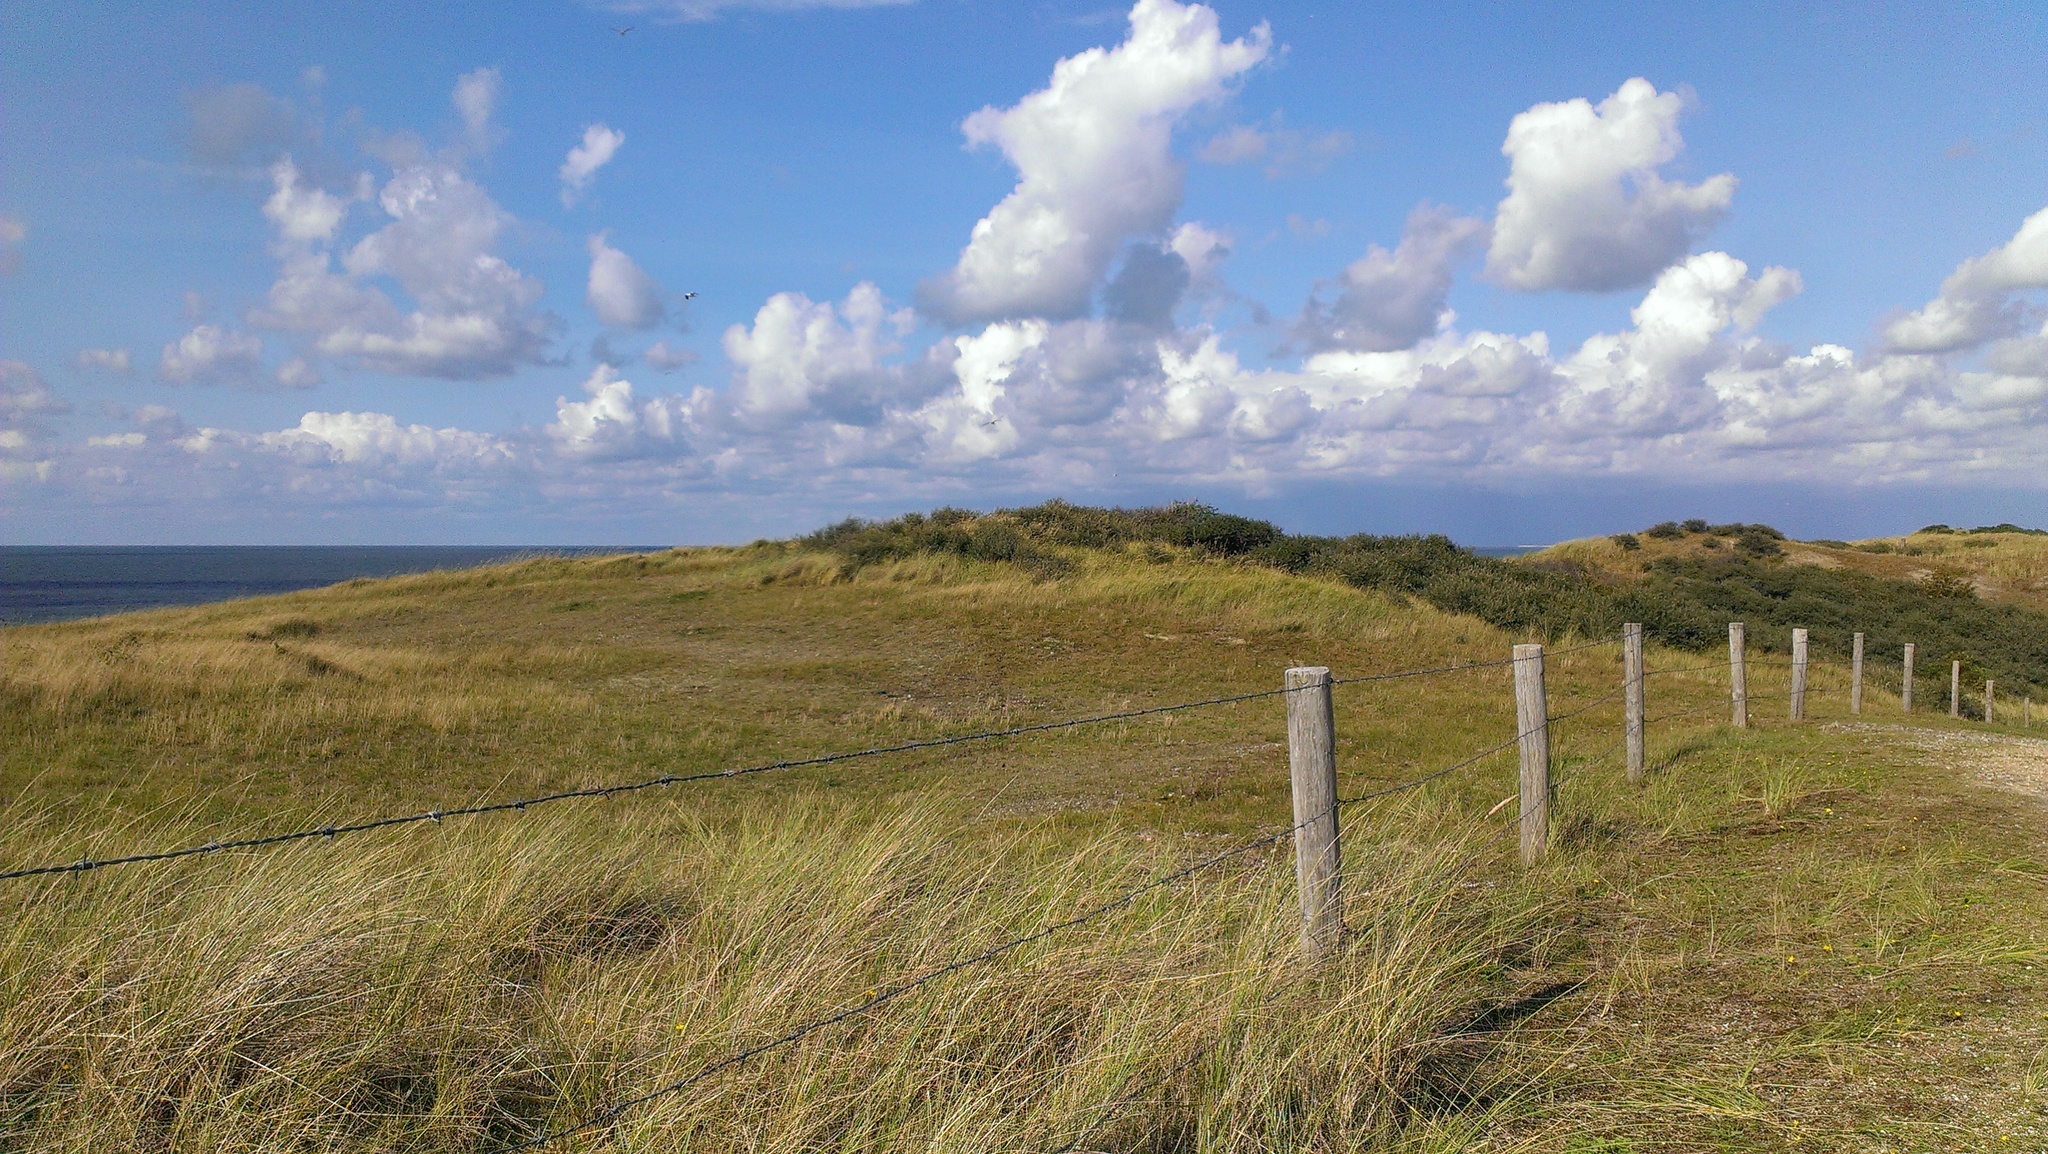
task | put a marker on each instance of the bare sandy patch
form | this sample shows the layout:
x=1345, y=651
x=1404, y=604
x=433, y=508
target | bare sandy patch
x=2003, y=761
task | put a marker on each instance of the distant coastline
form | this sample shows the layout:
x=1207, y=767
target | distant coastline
x=43, y=583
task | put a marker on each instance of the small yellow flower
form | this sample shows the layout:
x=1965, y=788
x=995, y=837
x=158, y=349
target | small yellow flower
x=1827, y=949
x=679, y=1025
x=1790, y=958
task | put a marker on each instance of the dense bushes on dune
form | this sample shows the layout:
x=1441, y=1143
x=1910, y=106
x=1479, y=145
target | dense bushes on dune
x=1683, y=602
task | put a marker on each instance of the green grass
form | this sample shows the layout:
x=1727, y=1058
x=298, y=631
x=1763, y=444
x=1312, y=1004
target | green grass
x=1818, y=937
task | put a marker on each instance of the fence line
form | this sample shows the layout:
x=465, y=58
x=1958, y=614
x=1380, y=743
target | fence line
x=1535, y=722
x=891, y=993
x=86, y=864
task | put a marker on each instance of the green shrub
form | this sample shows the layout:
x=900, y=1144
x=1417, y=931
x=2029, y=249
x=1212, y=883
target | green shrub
x=1684, y=602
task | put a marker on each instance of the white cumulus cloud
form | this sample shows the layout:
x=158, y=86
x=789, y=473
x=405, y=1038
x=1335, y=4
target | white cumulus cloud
x=1976, y=303
x=615, y=423
x=299, y=212
x=475, y=316
x=619, y=292
x=802, y=359
x=1095, y=165
x=596, y=150
x=211, y=355
x=1586, y=208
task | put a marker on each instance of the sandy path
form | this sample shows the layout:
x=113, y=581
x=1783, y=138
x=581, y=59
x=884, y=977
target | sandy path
x=2017, y=764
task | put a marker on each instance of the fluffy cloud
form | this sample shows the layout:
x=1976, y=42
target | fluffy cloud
x=108, y=360
x=211, y=355
x=369, y=444
x=25, y=401
x=803, y=360
x=825, y=393
x=1095, y=166
x=1391, y=300
x=1586, y=209
x=476, y=314
x=1653, y=379
x=619, y=292
x=599, y=145
x=302, y=213
x=615, y=423
x=1976, y=302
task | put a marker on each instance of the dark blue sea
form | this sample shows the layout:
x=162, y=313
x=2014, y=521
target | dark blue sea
x=62, y=582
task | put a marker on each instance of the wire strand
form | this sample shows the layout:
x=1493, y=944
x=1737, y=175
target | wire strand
x=619, y=1109
x=436, y=815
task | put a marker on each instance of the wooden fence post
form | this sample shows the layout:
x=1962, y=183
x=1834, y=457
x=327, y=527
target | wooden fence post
x=1987, y=701
x=1799, y=675
x=1312, y=768
x=1738, y=674
x=1955, y=689
x=1856, y=675
x=1632, y=695
x=1906, y=686
x=1532, y=719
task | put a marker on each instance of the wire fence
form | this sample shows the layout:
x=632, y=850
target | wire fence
x=1577, y=765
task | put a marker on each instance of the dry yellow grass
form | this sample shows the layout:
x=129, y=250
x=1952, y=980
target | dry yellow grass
x=458, y=986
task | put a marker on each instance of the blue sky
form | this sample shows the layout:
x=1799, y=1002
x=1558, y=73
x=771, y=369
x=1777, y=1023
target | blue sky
x=277, y=273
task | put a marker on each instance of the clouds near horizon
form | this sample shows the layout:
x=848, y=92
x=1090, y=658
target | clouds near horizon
x=1086, y=331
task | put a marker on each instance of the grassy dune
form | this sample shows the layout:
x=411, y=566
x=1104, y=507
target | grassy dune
x=1824, y=937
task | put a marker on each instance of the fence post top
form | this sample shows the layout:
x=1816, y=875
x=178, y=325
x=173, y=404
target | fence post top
x=1300, y=675
x=1528, y=652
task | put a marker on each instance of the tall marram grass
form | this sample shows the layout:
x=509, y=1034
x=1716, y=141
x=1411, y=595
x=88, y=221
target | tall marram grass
x=481, y=984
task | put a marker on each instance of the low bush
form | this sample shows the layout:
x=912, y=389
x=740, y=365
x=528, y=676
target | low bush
x=1685, y=602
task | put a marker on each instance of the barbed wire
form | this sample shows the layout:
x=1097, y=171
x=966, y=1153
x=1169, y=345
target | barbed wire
x=1421, y=672
x=1687, y=669
x=1603, y=699
x=521, y=804
x=87, y=864
x=891, y=993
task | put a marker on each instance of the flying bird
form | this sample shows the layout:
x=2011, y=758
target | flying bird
x=689, y=296
x=623, y=31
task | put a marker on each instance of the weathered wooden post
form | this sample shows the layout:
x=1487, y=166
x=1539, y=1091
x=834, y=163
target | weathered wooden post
x=1987, y=701
x=1738, y=674
x=1955, y=689
x=1532, y=718
x=1799, y=675
x=1856, y=675
x=1906, y=686
x=1632, y=695
x=1312, y=768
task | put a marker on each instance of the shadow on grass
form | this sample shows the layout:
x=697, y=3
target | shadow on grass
x=1459, y=1074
